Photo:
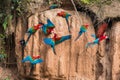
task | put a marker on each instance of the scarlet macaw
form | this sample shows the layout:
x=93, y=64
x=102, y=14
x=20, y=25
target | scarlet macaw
x=96, y=41
x=31, y=60
x=66, y=16
x=55, y=40
x=83, y=29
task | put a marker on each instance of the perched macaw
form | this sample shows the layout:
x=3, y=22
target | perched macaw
x=83, y=29
x=31, y=60
x=36, y=57
x=48, y=28
x=101, y=29
x=66, y=16
x=55, y=40
x=30, y=32
x=53, y=6
x=96, y=41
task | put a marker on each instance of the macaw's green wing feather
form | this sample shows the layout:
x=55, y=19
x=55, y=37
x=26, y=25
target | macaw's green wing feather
x=63, y=38
x=27, y=58
x=36, y=61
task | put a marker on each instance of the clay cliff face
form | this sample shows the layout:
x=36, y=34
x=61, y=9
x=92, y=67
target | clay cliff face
x=73, y=60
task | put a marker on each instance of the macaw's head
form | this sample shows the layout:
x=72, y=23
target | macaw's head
x=86, y=25
x=62, y=14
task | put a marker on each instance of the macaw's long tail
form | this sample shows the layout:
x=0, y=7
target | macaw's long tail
x=77, y=37
x=63, y=38
x=90, y=44
x=29, y=35
x=53, y=48
x=28, y=58
x=68, y=25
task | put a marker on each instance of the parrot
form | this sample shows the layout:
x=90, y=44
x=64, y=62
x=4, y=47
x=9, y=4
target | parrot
x=66, y=16
x=48, y=28
x=31, y=60
x=55, y=40
x=83, y=29
x=101, y=29
x=53, y=6
x=30, y=32
x=96, y=41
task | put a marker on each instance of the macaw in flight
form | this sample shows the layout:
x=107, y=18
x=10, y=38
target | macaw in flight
x=66, y=16
x=83, y=29
x=53, y=6
x=30, y=32
x=97, y=40
x=32, y=61
x=48, y=28
x=55, y=40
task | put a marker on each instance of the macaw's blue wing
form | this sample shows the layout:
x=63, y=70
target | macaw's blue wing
x=47, y=28
x=92, y=43
x=28, y=58
x=36, y=61
x=63, y=38
x=50, y=24
x=50, y=42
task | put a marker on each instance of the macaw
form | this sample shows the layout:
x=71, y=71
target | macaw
x=96, y=41
x=83, y=29
x=53, y=6
x=55, y=40
x=66, y=16
x=30, y=32
x=48, y=28
x=31, y=60
x=101, y=29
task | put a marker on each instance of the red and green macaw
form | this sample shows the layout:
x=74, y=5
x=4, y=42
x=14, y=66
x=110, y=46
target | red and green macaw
x=53, y=6
x=96, y=41
x=83, y=29
x=32, y=61
x=66, y=16
x=101, y=29
x=30, y=32
x=48, y=28
x=55, y=40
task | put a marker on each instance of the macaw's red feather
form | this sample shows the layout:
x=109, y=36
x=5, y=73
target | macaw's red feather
x=102, y=38
x=36, y=57
x=36, y=27
x=50, y=30
x=102, y=28
x=62, y=13
x=55, y=38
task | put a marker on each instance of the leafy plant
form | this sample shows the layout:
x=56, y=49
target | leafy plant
x=5, y=23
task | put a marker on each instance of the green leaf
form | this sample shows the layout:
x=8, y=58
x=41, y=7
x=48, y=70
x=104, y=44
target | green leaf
x=86, y=1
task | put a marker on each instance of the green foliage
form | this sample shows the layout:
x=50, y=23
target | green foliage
x=5, y=23
x=8, y=78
